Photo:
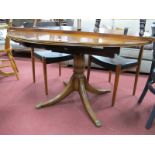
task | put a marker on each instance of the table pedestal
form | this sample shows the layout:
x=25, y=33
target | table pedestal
x=78, y=83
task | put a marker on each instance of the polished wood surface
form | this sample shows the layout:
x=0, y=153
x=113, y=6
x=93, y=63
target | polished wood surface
x=79, y=43
x=76, y=38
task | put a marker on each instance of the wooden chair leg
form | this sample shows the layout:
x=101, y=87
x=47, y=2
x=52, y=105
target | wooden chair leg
x=45, y=76
x=138, y=69
x=15, y=65
x=136, y=80
x=89, y=66
x=59, y=68
x=33, y=65
x=13, y=60
x=110, y=73
x=14, y=69
x=117, y=74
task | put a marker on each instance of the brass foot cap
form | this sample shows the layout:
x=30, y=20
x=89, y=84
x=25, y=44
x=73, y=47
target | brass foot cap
x=38, y=106
x=98, y=123
x=65, y=83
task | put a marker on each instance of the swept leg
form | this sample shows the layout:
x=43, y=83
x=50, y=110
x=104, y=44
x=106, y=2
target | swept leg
x=68, y=89
x=86, y=103
x=94, y=90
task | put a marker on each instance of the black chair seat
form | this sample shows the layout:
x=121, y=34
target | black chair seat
x=52, y=57
x=111, y=63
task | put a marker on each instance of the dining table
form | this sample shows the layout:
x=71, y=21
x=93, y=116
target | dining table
x=77, y=43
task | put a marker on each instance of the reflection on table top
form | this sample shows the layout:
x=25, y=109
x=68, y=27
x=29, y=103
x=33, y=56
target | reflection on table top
x=76, y=38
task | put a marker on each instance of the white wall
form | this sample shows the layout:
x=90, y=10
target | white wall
x=132, y=24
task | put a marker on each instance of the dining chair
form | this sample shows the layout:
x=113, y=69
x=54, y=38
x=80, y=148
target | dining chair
x=151, y=78
x=7, y=59
x=47, y=56
x=112, y=61
x=149, y=86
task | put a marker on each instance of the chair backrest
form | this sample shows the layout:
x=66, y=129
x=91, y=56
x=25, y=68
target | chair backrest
x=152, y=72
x=21, y=22
x=45, y=23
x=142, y=27
x=97, y=25
x=49, y=23
x=64, y=22
x=7, y=39
x=69, y=22
x=153, y=64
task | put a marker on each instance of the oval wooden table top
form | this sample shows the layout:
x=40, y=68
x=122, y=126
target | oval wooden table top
x=74, y=38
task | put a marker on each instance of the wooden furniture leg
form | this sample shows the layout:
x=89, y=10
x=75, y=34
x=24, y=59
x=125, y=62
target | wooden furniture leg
x=59, y=68
x=117, y=74
x=45, y=76
x=10, y=55
x=136, y=80
x=67, y=90
x=85, y=101
x=94, y=90
x=14, y=67
x=33, y=65
x=110, y=73
x=138, y=70
x=78, y=83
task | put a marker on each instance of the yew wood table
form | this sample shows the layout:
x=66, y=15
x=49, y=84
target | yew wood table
x=76, y=43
